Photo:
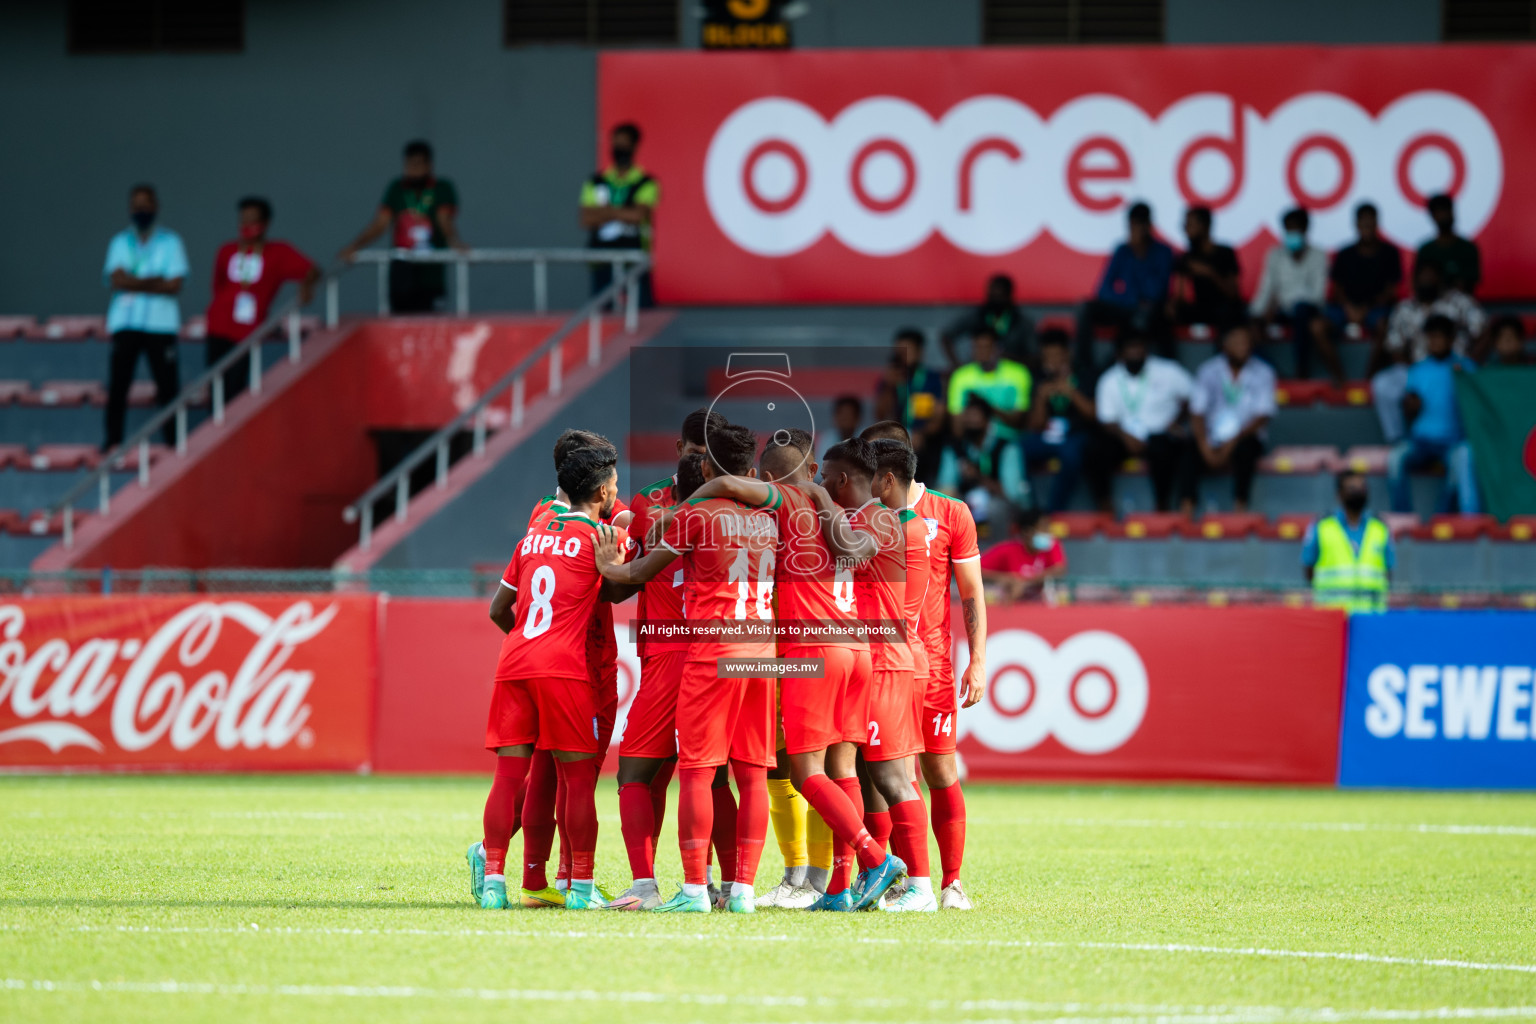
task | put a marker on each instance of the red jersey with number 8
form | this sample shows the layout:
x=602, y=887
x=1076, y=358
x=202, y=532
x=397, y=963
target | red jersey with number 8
x=555, y=574
x=728, y=554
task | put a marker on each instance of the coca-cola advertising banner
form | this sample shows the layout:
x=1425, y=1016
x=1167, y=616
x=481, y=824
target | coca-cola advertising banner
x=225, y=683
x=912, y=175
x=1157, y=693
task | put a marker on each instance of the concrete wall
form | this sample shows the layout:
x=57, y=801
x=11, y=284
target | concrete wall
x=315, y=110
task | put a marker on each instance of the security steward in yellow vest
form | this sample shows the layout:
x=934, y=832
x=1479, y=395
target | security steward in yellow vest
x=1348, y=556
x=616, y=208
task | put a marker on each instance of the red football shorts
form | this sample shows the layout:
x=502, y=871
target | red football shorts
x=552, y=714
x=721, y=720
x=856, y=699
x=815, y=712
x=892, y=731
x=939, y=705
x=650, y=730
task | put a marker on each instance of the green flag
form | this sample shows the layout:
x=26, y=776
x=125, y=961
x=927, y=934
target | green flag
x=1498, y=410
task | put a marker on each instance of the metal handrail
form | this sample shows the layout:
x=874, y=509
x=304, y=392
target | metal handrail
x=437, y=446
x=288, y=311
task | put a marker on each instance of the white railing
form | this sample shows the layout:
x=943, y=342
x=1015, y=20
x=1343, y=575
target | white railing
x=510, y=389
x=628, y=267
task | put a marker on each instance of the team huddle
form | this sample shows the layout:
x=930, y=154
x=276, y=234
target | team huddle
x=793, y=630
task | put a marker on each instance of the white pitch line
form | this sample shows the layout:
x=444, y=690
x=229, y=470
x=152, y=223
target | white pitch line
x=1270, y=826
x=1068, y=1013
x=652, y=937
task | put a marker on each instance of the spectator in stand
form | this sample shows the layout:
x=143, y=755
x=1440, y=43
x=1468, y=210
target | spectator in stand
x=981, y=466
x=1509, y=343
x=247, y=275
x=1022, y=567
x=617, y=204
x=999, y=314
x=1232, y=403
x=1291, y=293
x=1434, y=425
x=1001, y=384
x=1133, y=293
x=1060, y=418
x=1139, y=401
x=912, y=394
x=1206, y=288
x=1365, y=277
x=847, y=414
x=1406, y=343
x=1457, y=258
x=1348, y=556
x=420, y=210
x=146, y=266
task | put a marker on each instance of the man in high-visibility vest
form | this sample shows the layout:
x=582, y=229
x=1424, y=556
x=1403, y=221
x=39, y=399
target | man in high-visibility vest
x=1348, y=556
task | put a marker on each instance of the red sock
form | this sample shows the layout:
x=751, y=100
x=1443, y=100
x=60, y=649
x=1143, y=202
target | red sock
x=723, y=833
x=842, y=809
x=538, y=819
x=637, y=821
x=659, y=786
x=879, y=825
x=751, y=819
x=909, y=835
x=502, y=807
x=949, y=829
x=564, y=869
x=579, y=812
x=695, y=820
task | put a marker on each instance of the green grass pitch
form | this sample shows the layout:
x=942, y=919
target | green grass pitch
x=303, y=898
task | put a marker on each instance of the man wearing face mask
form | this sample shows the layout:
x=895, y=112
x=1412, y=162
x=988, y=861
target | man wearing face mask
x=145, y=268
x=422, y=209
x=1023, y=566
x=616, y=208
x=247, y=275
x=1291, y=294
x=1348, y=556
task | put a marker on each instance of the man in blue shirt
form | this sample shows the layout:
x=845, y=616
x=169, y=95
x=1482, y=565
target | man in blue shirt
x=145, y=268
x=1133, y=292
x=1434, y=432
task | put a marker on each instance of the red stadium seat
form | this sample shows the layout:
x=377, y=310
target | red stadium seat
x=1080, y=525
x=49, y=457
x=14, y=391
x=67, y=392
x=651, y=447
x=1057, y=323
x=1455, y=527
x=16, y=326
x=72, y=328
x=1300, y=392
x=1400, y=523
x=12, y=522
x=811, y=382
x=1153, y=525
x=1303, y=458
x=1518, y=528
x=1290, y=526
x=1357, y=392
x=15, y=455
x=129, y=458
x=1367, y=458
x=140, y=393
x=1196, y=333
x=1226, y=526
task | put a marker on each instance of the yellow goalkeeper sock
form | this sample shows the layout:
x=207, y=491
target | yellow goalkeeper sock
x=786, y=808
x=819, y=847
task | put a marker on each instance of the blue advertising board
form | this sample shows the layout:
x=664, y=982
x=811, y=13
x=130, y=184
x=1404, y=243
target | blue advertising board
x=1440, y=700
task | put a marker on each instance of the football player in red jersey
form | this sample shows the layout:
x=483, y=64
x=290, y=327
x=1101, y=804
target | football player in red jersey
x=648, y=749
x=952, y=551
x=727, y=550
x=822, y=717
x=544, y=696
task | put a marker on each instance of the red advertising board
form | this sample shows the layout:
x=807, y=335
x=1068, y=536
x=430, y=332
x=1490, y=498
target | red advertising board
x=911, y=175
x=208, y=683
x=1097, y=692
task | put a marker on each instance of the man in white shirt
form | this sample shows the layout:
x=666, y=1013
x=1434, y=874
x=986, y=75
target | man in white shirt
x=1233, y=401
x=1291, y=294
x=1139, y=401
x=145, y=268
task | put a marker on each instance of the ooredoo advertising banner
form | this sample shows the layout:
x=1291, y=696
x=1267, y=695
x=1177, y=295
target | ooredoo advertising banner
x=1157, y=693
x=247, y=683
x=1440, y=699
x=912, y=175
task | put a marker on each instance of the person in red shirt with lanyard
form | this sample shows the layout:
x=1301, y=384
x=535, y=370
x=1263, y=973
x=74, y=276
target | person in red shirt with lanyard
x=247, y=275
x=727, y=550
x=544, y=697
x=952, y=551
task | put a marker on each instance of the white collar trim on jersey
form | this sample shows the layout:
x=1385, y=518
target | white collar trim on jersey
x=922, y=489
